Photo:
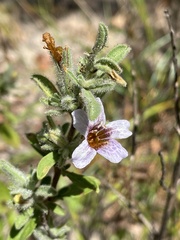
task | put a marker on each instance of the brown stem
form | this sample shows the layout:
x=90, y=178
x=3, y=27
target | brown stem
x=57, y=173
x=175, y=65
x=171, y=195
x=134, y=135
x=163, y=171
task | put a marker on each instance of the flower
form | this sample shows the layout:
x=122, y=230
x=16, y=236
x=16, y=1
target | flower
x=99, y=138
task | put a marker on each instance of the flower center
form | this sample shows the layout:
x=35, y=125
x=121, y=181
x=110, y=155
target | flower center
x=98, y=136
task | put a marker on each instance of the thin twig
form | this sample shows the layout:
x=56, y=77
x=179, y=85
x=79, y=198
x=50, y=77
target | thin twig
x=171, y=197
x=135, y=115
x=171, y=194
x=175, y=64
x=134, y=135
x=163, y=171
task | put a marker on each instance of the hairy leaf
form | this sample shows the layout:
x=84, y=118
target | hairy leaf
x=16, y=176
x=105, y=61
x=23, y=233
x=46, y=86
x=45, y=164
x=23, y=218
x=83, y=181
x=45, y=191
x=119, y=52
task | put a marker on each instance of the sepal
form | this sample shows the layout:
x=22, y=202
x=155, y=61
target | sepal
x=20, y=194
x=93, y=107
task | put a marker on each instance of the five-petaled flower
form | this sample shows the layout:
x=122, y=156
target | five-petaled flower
x=99, y=138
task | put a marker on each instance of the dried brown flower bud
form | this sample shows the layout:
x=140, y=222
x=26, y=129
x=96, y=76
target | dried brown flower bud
x=56, y=52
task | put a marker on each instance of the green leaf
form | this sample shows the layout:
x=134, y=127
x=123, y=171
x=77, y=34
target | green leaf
x=157, y=108
x=23, y=218
x=46, y=86
x=24, y=233
x=41, y=234
x=46, y=180
x=71, y=76
x=60, y=231
x=65, y=128
x=66, y=58
x=16, y=176
x=105, y=61
x=56, y=209
x=119, y=52
x=112, y=73
x=83, y=181
x=45, y=191
x=4, y=196
x=93, y=107
x=45, y=164
x=70, y=190
x=9, y=135
x=32, y=137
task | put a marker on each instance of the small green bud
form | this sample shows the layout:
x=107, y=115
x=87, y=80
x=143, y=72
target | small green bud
x=101, y=38
x=56, y=137
x=92, y=105
x=69, y=103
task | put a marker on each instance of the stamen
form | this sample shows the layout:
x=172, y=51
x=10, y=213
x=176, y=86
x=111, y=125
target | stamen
x=98, y=136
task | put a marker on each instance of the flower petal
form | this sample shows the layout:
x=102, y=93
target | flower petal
x=119, y=129
x=83, y=155
x=101, y=118
x=80, y=120
x=113, y=151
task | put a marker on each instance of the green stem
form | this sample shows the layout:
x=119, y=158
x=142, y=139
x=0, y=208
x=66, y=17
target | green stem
x=51, y=122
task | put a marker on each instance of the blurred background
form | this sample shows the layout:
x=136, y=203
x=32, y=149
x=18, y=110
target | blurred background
x=149, y=73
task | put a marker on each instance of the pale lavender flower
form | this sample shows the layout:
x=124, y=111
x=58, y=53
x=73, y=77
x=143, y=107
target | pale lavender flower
x=99, y=138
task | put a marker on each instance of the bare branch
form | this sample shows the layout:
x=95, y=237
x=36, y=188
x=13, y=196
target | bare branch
x=163, y=171
x=171, y=194
x=134, y=135
x=175, y=64
x=135, y=115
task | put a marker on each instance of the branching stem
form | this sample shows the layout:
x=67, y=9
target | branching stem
x=171, y=194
